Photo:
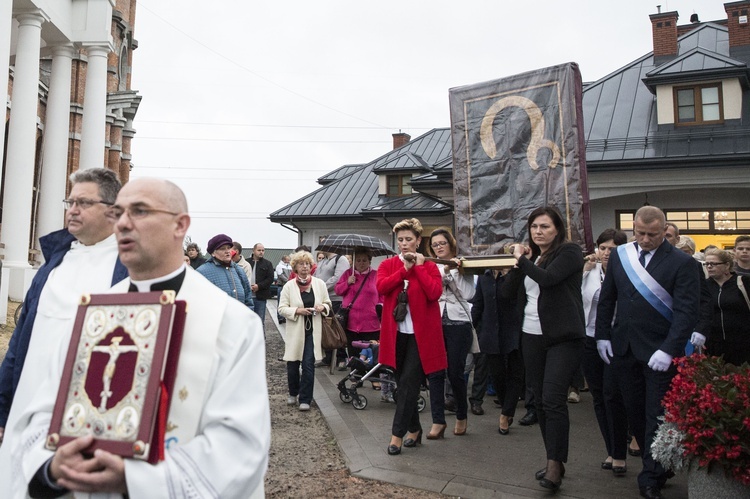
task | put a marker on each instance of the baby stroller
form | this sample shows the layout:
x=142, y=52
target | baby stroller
x=361, y=372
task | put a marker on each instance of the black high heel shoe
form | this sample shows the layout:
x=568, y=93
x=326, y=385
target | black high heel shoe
x=504, y=431
x=412, y=442
x=539, y=475
x=548, y=484
x=394, y=450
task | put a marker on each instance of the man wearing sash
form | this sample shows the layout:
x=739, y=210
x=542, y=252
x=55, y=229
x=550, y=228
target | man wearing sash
x=654, y=291
x=218, y=425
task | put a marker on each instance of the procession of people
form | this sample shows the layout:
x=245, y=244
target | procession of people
x=531, y=326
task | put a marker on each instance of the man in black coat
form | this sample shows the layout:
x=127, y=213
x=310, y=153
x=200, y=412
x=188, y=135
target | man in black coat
x=655, y=290
x=261, y=280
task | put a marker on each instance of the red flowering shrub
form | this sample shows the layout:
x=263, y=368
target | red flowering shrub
x=709, y=401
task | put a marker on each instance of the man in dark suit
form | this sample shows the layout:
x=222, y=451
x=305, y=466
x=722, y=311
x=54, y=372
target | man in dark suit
x=655, y=290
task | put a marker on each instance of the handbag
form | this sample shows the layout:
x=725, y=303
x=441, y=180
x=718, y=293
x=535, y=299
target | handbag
x=332, y=336
x=343, y=314
x=399, y=311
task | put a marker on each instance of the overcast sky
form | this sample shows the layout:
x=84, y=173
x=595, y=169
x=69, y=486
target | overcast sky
x=245, y=104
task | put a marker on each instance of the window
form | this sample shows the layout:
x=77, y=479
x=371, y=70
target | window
x=707, y=221
x=625, y=220
x=398, y=185
x=698, y=105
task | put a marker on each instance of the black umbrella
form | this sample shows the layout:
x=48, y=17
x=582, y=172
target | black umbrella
x=344, y=244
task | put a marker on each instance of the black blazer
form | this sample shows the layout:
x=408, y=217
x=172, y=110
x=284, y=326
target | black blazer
x=640, y=327
x=560, y=304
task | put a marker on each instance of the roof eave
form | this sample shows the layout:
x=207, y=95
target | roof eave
x=743, y=74
x=716, y=161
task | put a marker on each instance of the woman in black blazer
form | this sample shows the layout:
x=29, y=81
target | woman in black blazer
x=547, y=282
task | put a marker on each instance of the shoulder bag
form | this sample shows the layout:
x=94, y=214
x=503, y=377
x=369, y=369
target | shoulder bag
x=474, y=339
x=332, y=336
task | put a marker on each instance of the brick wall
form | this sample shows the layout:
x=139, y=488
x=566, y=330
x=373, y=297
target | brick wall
x=739, y=34
x=400, y=139
x=664, y=31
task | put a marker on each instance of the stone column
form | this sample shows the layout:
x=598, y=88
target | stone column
x=93, y=127
x=56, y=133
x=22, y=129
x=6, y=19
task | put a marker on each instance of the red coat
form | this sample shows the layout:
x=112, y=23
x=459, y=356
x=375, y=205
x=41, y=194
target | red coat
x=425, y=288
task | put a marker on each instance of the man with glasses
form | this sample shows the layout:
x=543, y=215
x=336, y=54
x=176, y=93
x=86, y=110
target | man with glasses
x=219, y=429
x=82, y=258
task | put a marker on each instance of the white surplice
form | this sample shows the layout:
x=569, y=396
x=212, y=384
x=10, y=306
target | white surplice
x=84, y=269
x=221, y=434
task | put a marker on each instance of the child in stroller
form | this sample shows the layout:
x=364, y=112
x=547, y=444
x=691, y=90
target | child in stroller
x=367, y=368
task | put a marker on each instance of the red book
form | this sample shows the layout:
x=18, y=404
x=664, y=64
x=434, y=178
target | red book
x=121, y=364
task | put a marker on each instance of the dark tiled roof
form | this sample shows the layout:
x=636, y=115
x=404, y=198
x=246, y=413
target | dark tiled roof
x=416, y=203
x=351, y=189
x=620, y=121
x=338, y=174
x=422, y=153
x=343, y=198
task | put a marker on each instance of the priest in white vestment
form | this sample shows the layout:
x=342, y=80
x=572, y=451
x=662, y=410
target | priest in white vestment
x=218, y=431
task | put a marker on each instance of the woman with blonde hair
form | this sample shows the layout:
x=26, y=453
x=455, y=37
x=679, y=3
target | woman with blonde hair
x=730, y=328
x=302, y=302
x=411, y=336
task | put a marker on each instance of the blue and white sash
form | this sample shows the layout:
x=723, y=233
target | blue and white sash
x=652, y=291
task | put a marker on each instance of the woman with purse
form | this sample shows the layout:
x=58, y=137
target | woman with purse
x=302, y=302
x=458, y=334
x=358, y=315
x=411, y=338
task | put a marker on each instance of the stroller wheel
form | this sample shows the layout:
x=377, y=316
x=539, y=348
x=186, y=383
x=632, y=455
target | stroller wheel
x=421, y=404
x=345, y=397
x=360, y=402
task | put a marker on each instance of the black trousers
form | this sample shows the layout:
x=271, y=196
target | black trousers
x=409, y=376
x=549, y=372
x=609, y=406
x=506, y=373
x=643, y=390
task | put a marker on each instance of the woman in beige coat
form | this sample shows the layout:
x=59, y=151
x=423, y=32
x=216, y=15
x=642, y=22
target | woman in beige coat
x=302, y=302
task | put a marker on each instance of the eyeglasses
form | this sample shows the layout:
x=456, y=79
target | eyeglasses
x=438, y=244
x=135, y=212
x=713, y=264
x=82, y=203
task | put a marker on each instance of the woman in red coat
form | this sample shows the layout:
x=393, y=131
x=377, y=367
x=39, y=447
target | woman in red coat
x=413, y=345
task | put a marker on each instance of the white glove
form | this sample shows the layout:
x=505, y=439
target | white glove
x=604, y=347
x=660, y=361
x=697, y=339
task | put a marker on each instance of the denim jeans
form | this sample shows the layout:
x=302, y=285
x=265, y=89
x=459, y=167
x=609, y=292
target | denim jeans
x=260, y=309
x=457, y=345
x=303, y=388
